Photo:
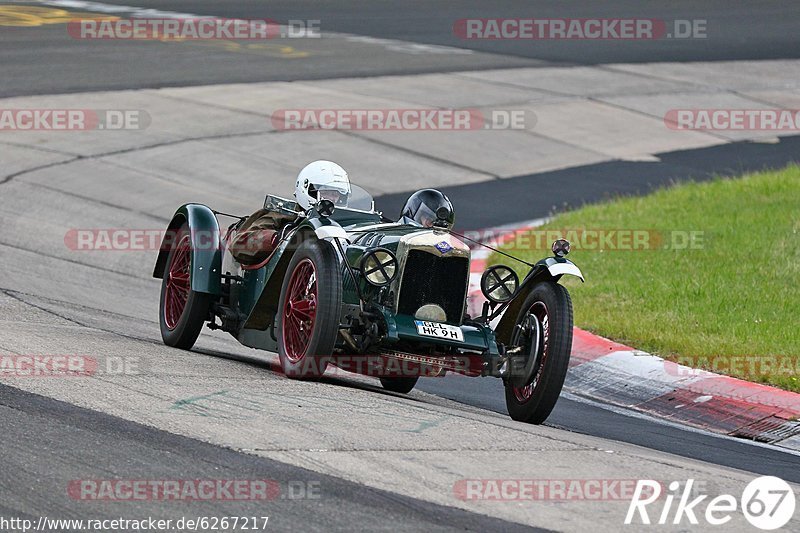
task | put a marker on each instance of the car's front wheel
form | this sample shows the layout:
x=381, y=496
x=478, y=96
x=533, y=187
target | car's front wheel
x=548, y=310
x=310, y=304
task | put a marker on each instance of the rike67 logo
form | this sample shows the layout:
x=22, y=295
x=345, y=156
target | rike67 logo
x=767, y=503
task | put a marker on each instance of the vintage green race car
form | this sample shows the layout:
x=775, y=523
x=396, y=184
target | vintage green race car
x=343, y=285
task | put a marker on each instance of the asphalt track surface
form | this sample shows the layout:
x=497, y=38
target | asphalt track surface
x=62, y=439
x=736, y=29
x=47, y=442
x=573, y=414
x=44, y=59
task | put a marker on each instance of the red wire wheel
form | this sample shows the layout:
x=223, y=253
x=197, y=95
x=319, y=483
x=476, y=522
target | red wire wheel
x=182, y=311
x=178, y=283
x=300, y=311
x=310, y=305
x=550, y=304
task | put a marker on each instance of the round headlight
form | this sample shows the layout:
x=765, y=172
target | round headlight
x=499, y=284
x=560, y=247
x=379, y=266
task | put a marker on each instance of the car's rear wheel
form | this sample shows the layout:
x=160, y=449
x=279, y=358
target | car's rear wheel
x=402, y=385
x=182, y=311
x=308, y=320
x=550, y=306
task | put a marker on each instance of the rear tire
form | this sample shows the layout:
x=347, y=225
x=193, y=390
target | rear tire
x=182, y=311
x=551, y=304
x=399, y=385
x=310, y=305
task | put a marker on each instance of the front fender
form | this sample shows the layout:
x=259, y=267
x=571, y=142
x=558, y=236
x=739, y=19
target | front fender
x=558, y=266
x=206, y=254
x=548, y=269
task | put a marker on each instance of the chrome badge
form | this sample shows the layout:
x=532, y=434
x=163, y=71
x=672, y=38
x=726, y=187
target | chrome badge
x=443, y=247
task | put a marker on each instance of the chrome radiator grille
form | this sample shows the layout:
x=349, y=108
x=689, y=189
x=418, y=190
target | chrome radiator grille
x=430, y=279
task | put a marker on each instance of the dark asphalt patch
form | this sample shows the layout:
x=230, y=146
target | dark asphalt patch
x=521, y=198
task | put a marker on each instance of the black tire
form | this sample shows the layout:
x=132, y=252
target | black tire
x=551, y=370
x=195, y=312
x=328, y=302
x=399, y=385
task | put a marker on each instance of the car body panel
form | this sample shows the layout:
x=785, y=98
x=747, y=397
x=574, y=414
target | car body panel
x=476, y=338
x=206, y=255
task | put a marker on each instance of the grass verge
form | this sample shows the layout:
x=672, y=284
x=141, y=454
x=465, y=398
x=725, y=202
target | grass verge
x=704, y=274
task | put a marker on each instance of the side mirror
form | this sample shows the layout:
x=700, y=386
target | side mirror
x=499, y=284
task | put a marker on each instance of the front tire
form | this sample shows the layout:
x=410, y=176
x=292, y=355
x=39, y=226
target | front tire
x=310, y=305
x=551, y=305
x=182, y=311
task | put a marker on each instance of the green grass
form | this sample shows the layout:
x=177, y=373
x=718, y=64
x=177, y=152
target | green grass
x=732, y=305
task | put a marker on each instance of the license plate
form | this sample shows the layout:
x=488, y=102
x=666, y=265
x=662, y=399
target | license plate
x=439, y=331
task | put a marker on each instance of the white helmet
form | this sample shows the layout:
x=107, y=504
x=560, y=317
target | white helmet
x=322, y=180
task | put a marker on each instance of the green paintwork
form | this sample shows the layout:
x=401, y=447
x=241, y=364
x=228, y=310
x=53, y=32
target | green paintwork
x=475, y=338
x=344, y=217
